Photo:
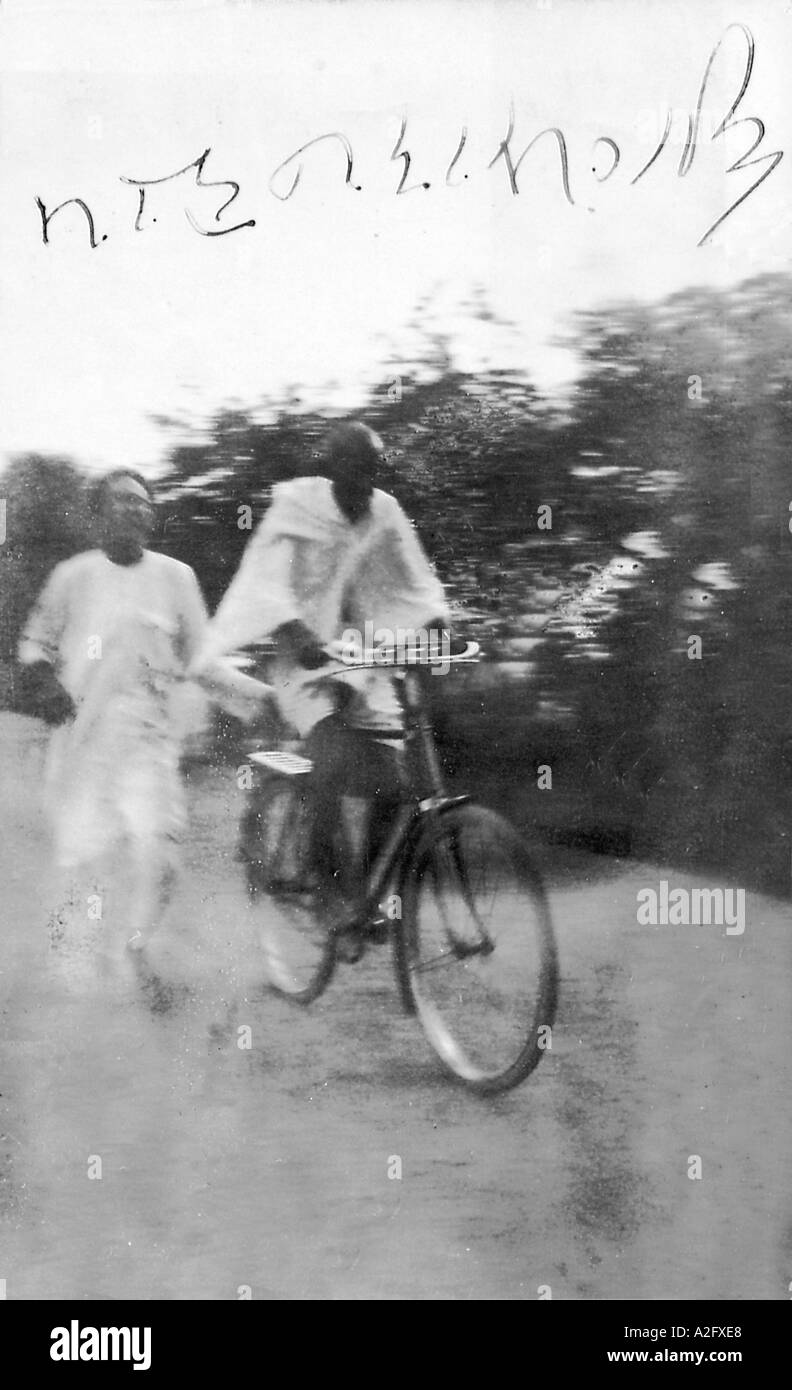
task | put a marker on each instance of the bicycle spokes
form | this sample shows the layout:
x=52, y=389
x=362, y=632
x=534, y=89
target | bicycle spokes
x=479, y=949
x=460, y=901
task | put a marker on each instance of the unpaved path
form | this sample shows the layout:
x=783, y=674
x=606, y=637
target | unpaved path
x=226, y=1167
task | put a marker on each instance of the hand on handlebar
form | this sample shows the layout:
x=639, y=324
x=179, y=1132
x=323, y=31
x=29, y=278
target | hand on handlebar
x=297, y=641
x=441, y=635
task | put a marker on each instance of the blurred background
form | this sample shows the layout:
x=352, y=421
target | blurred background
x=583, y=543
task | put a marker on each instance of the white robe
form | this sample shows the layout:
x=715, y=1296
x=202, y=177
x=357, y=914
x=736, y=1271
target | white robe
x=121, y=638
x=308, y=561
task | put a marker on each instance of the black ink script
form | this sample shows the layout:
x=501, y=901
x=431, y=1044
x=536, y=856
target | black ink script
x=604, y=160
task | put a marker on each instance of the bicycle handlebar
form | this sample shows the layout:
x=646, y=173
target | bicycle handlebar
x=394, y=656
x=382, y=658
x=391, y=657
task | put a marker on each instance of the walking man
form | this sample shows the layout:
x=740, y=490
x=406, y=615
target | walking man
x=104, y=652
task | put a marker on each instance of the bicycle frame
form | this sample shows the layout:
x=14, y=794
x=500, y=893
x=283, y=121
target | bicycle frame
x=414, y=811
x=448, y=909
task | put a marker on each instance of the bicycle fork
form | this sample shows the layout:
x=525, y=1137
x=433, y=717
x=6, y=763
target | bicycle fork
x=432, y=806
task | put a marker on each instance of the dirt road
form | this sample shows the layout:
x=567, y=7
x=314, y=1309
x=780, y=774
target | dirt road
x=227, y=1169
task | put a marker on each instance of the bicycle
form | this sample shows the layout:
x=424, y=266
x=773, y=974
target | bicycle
x=474, y=947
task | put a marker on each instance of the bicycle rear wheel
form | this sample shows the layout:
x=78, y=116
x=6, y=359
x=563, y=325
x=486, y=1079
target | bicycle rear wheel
x=476, y=952
x=283, y=891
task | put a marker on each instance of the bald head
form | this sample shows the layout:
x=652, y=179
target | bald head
x=354, y=455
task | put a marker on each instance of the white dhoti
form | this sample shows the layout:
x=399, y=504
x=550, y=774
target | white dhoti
x=121, y=638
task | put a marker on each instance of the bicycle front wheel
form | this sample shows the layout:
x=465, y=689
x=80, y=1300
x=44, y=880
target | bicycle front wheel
x=476, y=952
x=299, y=952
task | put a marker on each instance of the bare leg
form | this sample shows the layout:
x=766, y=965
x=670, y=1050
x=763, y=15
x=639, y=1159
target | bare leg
x=155, y=870
x=358, y=787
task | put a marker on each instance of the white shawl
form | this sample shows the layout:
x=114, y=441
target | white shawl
x=308, y=561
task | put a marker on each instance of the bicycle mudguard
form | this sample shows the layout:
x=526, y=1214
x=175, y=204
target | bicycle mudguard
x=427, y=809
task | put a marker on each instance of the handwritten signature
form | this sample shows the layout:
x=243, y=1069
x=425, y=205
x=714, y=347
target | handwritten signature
x=286, y=178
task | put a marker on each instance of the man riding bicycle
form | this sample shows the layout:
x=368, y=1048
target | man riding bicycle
x=336, y=557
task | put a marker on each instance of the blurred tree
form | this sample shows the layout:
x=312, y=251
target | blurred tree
x=46, y=521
